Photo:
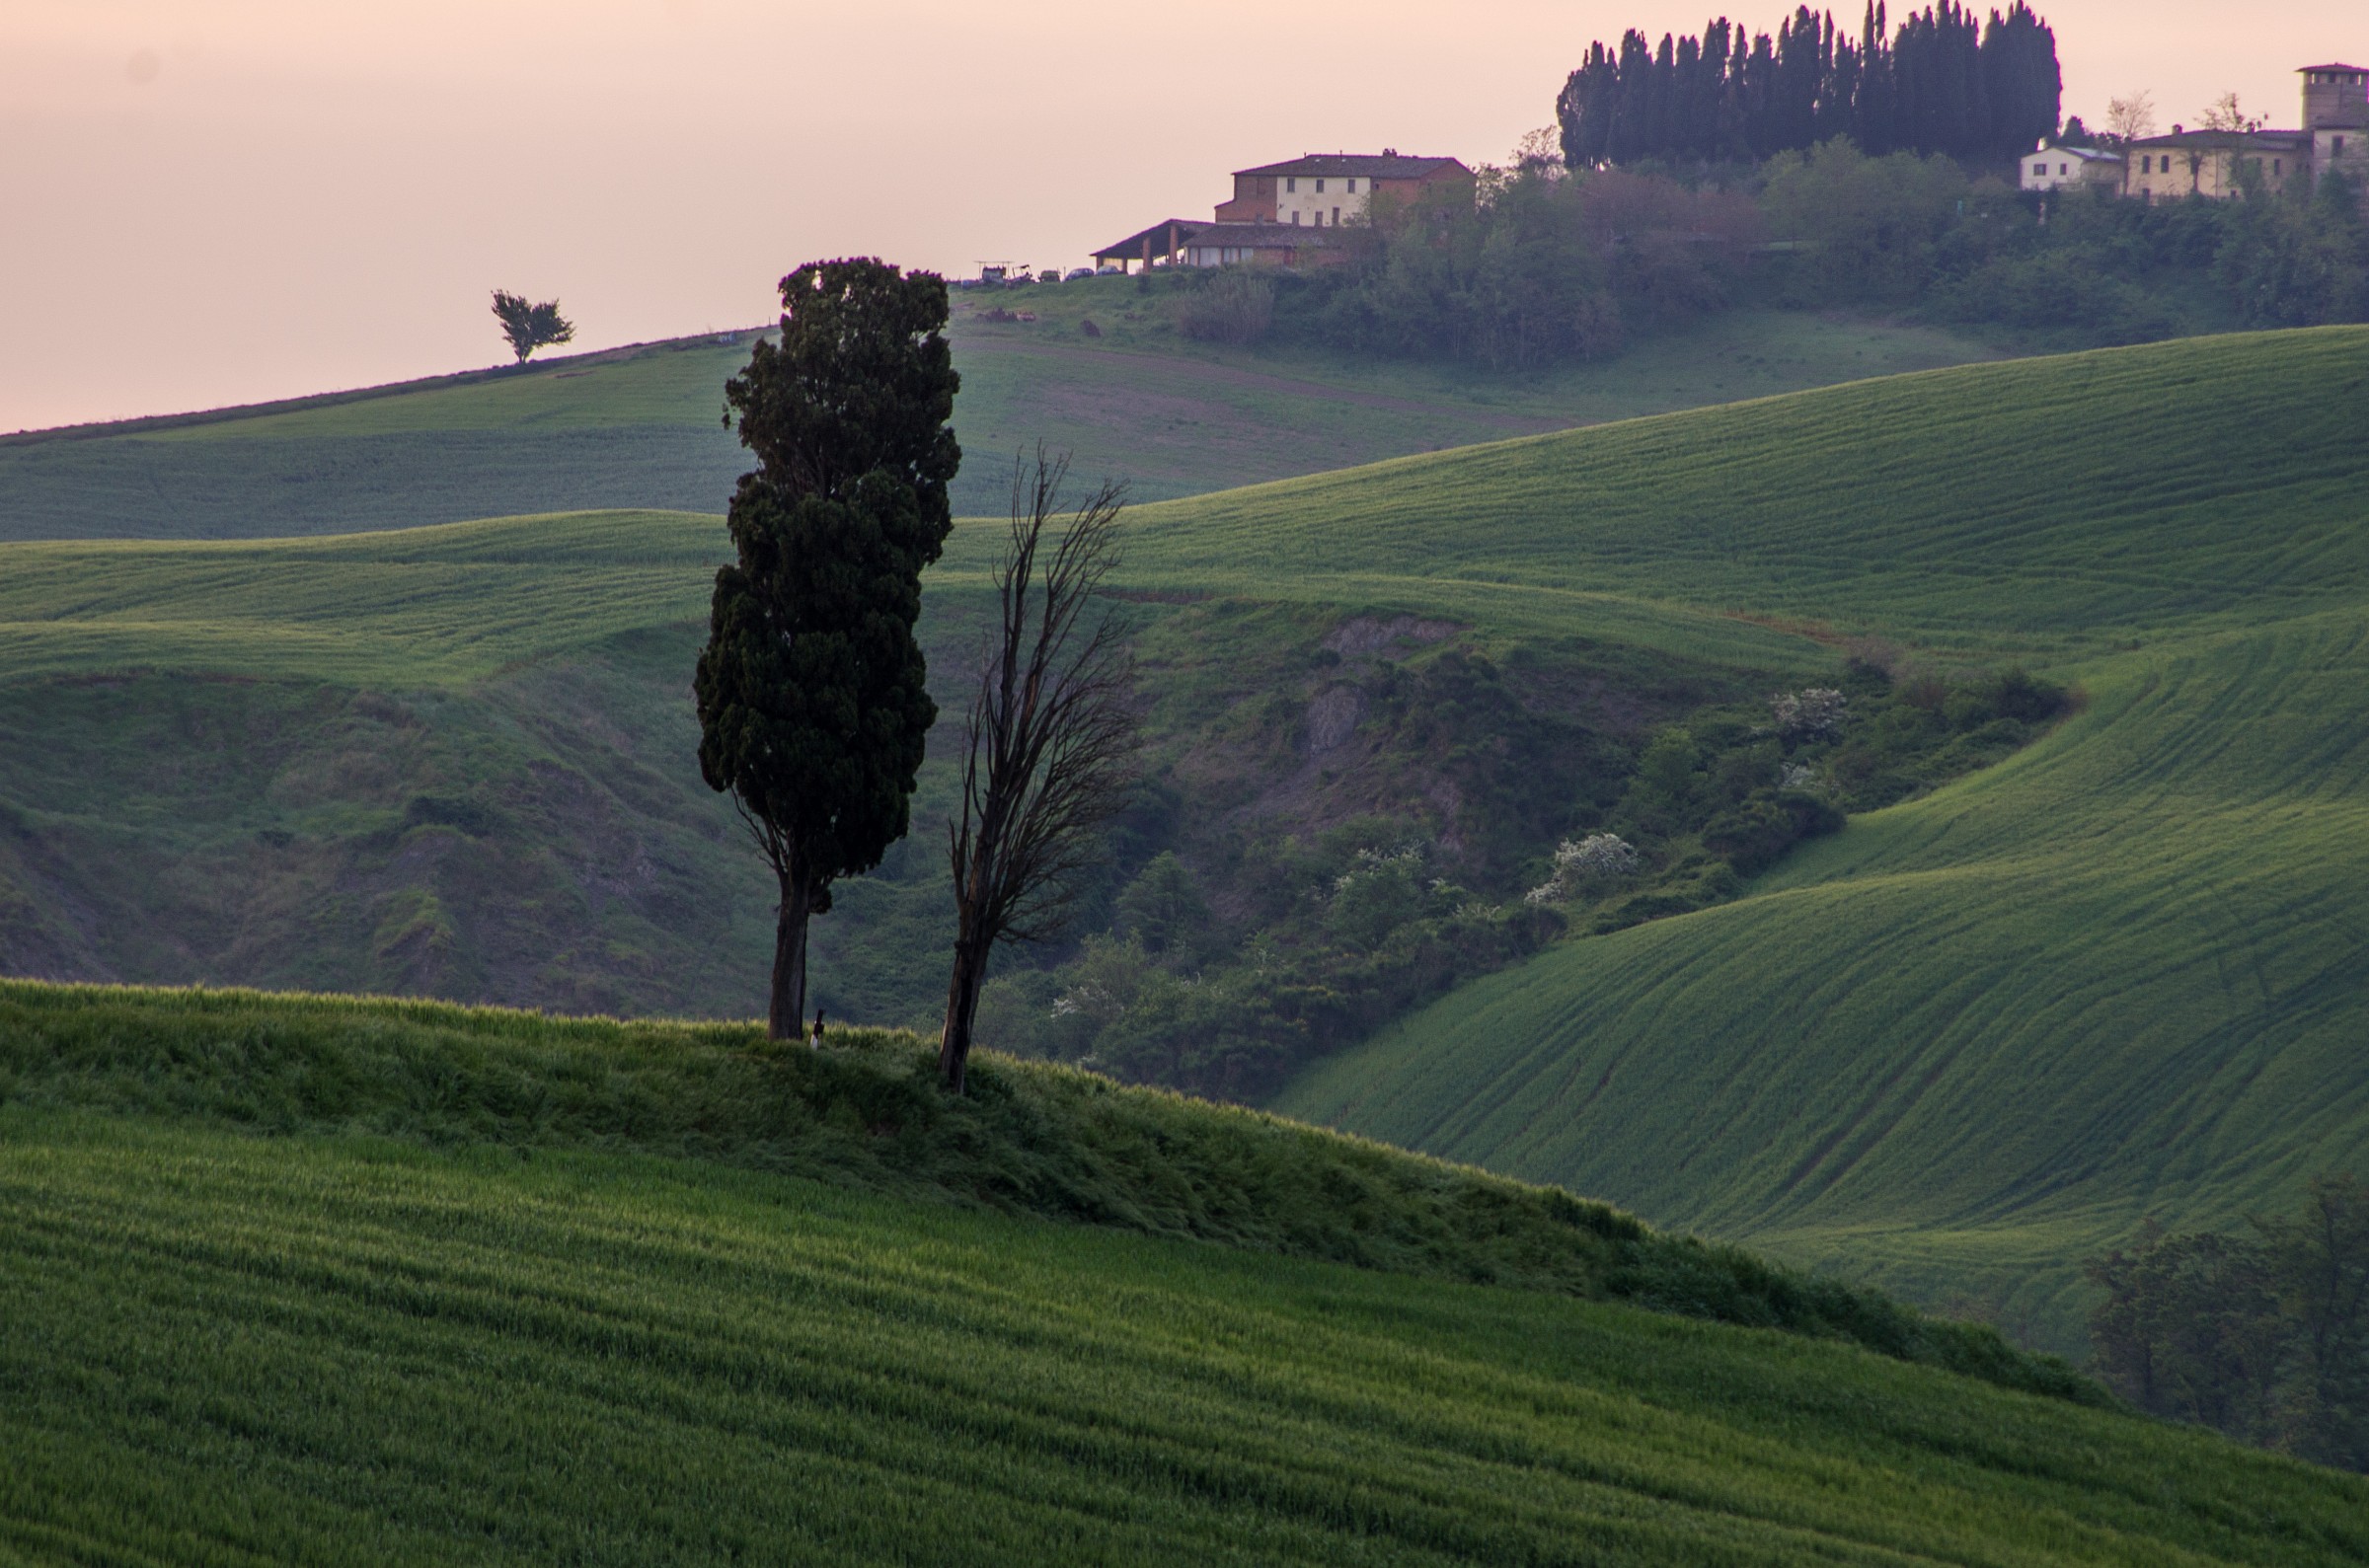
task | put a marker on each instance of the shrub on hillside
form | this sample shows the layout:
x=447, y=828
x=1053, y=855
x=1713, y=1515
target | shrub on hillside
x=1586, y=867
x=2060, y=289
x=1229, y=307
x=1815, y=711
x=1754, y=834
x=1164, y=910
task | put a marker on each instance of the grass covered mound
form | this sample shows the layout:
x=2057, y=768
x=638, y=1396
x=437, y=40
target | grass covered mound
x=341, y=1349
x=867, y=1112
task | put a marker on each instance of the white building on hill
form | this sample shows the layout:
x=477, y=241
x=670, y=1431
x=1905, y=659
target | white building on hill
x=2055, y=166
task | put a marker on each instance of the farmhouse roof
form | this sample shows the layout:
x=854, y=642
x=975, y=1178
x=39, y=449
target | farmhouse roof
x=1262, y=233
x=2358, y=70
x=1176, y=234
x=2264, y=140
x=1164, y=236
x=2086, y=154
x=1367, y=165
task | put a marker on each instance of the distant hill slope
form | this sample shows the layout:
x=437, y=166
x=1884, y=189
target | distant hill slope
x=293, y=1280
x=641, y=427
x=1980, y=1034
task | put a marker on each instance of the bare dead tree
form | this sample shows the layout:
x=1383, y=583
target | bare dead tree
x=1050, y=742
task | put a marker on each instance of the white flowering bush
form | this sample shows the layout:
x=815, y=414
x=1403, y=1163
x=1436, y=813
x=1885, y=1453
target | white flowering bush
x=1815, y=712
x=1595, y=861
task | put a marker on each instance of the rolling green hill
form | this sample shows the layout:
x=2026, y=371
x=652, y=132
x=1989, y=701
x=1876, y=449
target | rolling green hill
x=1959, y=1045
x=293, y=1280
x=1982, y=1033
x=640, y=427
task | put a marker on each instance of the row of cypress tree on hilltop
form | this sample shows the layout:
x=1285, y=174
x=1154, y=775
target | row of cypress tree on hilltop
x=1943, y=84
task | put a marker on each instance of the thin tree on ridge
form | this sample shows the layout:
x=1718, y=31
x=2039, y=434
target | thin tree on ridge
x=1049, y=744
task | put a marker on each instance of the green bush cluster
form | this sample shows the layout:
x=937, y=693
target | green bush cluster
x=1725, y=795
x=2080, y=266
x=1542, y=270
x=1335, y=934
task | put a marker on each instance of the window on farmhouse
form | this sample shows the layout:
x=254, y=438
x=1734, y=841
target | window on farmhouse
x=1320, y=188
x=2040, y=169
x=1353, y=184
x=1291, y=182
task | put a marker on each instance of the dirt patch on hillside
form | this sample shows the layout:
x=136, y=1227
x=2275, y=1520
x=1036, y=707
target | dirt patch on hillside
x=1365, y=633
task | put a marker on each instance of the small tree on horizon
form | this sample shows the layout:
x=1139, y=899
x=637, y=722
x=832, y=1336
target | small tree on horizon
x=1049, y=743
x=530, y=327
x=2227, y=113
x=813, y=708
x=2130, y=119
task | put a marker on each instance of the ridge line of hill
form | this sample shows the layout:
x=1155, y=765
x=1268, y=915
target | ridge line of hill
x=1031, y=1138
x=148, y=423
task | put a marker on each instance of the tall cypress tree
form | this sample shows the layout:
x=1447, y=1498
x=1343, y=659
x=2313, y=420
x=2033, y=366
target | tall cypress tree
x=1945, y=83
x=813, y=706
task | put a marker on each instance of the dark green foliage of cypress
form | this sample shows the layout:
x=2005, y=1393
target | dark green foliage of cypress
x=1946, y=83
x=812, y=704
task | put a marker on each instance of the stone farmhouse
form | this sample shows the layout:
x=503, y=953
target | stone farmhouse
x=1287, y=215
x=2335, y=135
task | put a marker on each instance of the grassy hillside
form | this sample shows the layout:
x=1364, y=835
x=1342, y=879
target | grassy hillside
x=1981, y=1033
x=1028, y=1139
x=460, y=761
x=2042, y=506
x=640, y=427
x=308, y=1281
x=1963, y=1043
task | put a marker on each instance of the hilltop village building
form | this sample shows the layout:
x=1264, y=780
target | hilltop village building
x=2055, y=166
x=2335, y=135
x=1285, y=214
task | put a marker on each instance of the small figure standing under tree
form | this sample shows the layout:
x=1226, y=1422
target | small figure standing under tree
x=530, y=327
x=813, y=706
x=1049, y=746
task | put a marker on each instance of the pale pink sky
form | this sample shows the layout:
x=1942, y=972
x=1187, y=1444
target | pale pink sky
x=209, y=201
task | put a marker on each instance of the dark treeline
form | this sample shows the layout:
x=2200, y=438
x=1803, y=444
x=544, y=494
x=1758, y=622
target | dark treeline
x=1945, y=84
x=2264, y=1335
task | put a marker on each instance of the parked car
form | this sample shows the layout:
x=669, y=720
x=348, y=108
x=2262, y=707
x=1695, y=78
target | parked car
x=1076, y=273
x=1110, y=270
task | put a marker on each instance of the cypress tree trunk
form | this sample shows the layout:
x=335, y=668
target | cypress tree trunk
x=786, y=1018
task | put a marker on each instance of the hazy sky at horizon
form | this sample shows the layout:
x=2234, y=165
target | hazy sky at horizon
x=215, y=202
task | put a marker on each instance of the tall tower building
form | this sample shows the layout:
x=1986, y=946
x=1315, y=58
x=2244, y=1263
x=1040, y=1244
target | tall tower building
x=2336, y=116
x=2335, y=96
